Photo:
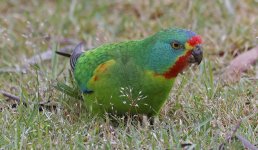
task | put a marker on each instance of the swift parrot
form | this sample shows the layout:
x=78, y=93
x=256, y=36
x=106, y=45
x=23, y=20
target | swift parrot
x=134, y=77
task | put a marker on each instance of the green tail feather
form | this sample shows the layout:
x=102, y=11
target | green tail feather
x=73, y=92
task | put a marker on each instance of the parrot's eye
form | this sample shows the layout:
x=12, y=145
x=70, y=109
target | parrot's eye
x=175, y=45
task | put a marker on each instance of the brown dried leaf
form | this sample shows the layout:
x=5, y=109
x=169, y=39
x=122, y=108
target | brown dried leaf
x=240, y=64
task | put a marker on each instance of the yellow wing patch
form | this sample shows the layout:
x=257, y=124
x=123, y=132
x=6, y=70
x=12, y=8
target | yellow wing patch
x=101, y=69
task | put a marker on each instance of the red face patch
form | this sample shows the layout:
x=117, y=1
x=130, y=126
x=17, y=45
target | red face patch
x=179, y=66
x=195, y=40
x=182, y=62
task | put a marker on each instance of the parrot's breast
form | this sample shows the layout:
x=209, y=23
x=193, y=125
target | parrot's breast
x=121, y=88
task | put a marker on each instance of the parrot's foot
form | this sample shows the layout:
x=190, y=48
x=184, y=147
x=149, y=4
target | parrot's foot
x=154, y=120
x=140, y=120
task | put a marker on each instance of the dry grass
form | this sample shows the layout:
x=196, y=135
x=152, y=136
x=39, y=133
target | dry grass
x=202, y=110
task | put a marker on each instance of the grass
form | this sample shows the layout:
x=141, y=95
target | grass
x=201, y=109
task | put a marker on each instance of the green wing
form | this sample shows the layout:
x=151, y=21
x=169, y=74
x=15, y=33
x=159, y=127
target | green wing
x=121, y=56
x=86, y=65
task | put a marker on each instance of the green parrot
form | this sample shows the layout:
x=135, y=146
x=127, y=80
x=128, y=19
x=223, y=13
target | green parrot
x=134, y=77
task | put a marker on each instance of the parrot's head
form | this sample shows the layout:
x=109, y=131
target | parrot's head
x=174, y=49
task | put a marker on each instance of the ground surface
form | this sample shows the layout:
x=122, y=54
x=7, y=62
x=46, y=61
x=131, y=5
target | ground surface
x=201, y=110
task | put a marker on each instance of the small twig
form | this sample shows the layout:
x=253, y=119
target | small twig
x=246, y=143
x=234, y=131
x=66, y=41
x=13, y=97
x=10, y=96
x=46, y=55
x=233, y=135
x=41, y=105
x=230, y=136
x=12, y=69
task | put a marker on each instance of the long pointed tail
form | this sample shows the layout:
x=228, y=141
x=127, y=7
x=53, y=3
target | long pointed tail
x=77, y=52
x=63, y=54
